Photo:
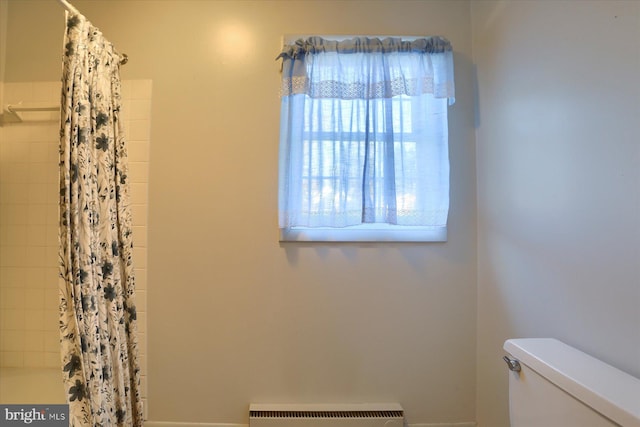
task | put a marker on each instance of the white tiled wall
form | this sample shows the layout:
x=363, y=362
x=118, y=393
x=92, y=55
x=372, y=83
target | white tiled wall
x=29, y=224
x=136, y=108
x=29, y=234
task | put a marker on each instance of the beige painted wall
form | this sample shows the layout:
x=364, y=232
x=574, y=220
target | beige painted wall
x=3, y=46
x=558, y=182
x=234, y=316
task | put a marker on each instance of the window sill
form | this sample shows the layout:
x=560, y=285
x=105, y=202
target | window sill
x=364, y=234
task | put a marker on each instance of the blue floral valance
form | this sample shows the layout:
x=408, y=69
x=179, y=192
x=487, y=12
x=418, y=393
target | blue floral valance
x=367, y=68
x=364, y=44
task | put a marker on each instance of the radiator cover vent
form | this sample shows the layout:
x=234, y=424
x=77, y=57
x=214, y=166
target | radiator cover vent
x=319, y=415
x=326, y=414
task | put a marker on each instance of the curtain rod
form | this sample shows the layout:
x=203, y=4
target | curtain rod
x=69, y=7
x=73, y=10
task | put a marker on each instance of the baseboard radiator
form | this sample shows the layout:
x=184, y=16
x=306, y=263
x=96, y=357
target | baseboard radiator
x=318, y=415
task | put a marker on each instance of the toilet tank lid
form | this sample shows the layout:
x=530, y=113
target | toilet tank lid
x=608, y=390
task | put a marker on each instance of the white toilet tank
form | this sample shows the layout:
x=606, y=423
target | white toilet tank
x=560, y=386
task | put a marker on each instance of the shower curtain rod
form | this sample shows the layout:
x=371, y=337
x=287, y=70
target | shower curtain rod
x=69, y=7
x=75, y=11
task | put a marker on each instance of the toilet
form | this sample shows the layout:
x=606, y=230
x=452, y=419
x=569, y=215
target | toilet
x=552, y=384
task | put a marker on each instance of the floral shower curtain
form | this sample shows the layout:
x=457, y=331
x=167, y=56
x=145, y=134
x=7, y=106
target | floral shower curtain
x=97, y=307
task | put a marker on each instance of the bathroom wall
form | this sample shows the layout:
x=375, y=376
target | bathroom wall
x=3, y=38
x=558, y=182
x=234, y=316
x=3, y=44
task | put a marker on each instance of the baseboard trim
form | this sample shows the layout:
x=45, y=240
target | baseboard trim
x=468, y=424
x=181, y=424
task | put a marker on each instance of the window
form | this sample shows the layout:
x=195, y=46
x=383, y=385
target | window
x=364, y=139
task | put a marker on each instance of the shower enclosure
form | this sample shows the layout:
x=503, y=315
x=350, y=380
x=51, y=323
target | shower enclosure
x=30, y=370
x=29, y=355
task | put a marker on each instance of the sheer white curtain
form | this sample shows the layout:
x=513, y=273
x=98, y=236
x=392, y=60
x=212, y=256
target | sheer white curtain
x=364, y=136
